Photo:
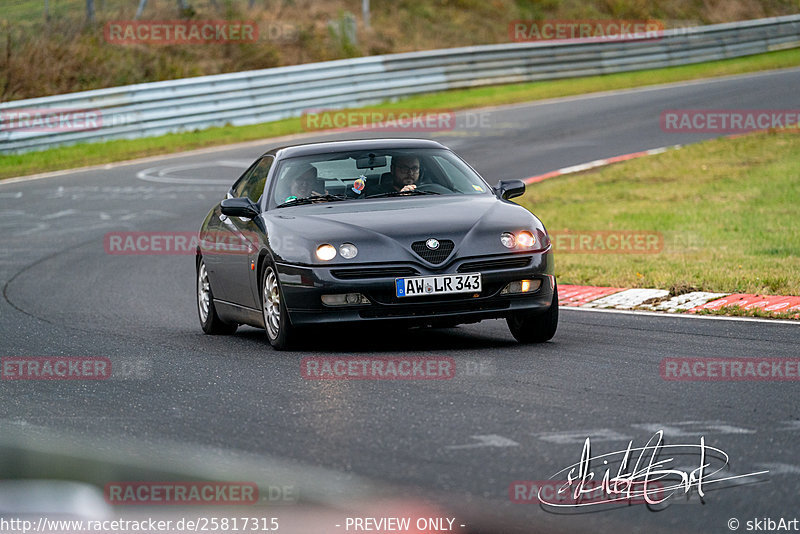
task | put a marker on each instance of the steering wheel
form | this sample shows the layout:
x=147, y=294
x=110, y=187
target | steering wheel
x=434, y=188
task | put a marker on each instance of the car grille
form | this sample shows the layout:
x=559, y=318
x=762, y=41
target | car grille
x=373, y=272
x=433, y=256
x=494, y=265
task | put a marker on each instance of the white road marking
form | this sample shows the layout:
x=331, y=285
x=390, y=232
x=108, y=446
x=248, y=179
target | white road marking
x=777, y=468
x=39, y=227
x=235, y=163
x=789, y=426
x=18, y=194
x=139, y=192
x=164, y=174
x=489, y=440
x=60, y=214
x=579, y=436
x=146, y=214
x=693, y=428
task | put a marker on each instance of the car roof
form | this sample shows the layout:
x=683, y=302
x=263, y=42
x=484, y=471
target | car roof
x=309, y=149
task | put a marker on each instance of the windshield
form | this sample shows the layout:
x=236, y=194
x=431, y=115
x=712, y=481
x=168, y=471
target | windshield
x=372, y=174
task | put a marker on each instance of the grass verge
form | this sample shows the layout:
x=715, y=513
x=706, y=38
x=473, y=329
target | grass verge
x=728, y=211
x=119, y=150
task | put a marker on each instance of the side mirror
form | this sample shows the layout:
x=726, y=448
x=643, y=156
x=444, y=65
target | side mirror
x=507, y=189
x=239, y=207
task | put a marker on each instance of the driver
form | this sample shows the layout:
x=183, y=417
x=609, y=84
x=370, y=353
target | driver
x=403, y=176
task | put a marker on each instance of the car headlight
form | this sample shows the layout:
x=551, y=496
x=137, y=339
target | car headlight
x=526, y=239
x=326, y=252
x=523, y=239
x=348, y=251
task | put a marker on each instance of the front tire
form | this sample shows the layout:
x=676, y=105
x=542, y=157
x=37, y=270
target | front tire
x=535, y=327
x=280, y=332
x=207, y=312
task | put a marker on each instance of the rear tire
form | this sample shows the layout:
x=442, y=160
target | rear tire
x=280, y=332
x=207, y=312
x=535, y=327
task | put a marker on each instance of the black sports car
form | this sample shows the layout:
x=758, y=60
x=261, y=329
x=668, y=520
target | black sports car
x=372, y=230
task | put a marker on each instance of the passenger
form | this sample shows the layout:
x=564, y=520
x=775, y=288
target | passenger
x=301, y=183
x=306, y=184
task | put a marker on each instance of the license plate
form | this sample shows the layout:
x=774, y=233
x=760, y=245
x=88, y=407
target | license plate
x=444, y=284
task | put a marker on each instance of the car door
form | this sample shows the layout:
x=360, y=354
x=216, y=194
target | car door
x=238, y=241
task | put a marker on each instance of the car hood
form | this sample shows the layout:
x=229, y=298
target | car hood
x=384, y=229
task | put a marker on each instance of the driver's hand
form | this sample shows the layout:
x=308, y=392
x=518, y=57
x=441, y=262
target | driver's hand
x=409, y=187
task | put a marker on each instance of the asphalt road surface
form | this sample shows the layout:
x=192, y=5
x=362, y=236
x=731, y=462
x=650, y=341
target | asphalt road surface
x=511, y=413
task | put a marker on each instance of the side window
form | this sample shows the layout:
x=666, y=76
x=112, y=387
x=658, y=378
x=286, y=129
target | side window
x=240, y=184
x=251, y=184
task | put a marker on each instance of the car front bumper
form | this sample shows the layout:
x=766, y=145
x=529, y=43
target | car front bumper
x=304, y=286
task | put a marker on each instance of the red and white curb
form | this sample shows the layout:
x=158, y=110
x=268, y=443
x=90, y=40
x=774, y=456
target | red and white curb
x=580, y=295
x=657, y=300
x=616, y=159
x=597, y=163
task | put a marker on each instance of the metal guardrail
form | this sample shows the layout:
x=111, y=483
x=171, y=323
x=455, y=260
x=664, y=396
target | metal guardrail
x=253, y=97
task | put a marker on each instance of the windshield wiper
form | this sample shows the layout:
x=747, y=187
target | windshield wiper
x=403, y=193
x=311, y=200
